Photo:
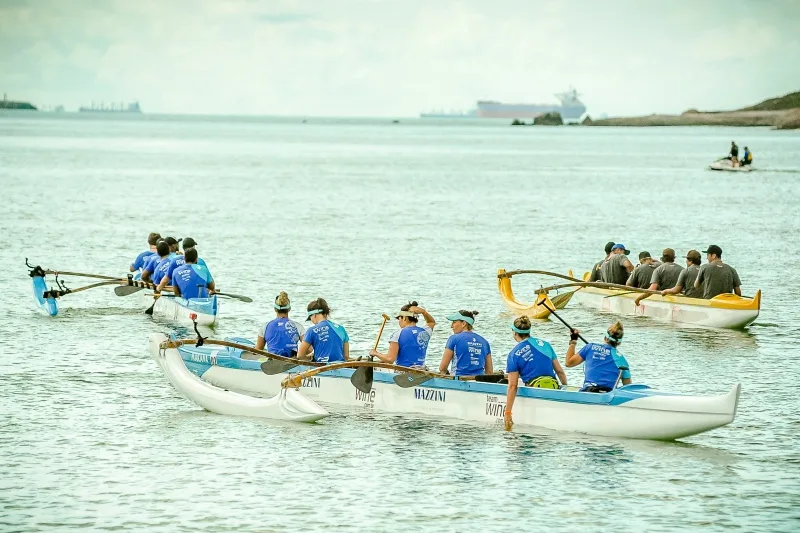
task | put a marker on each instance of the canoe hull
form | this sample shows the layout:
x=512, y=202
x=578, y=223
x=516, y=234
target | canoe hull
x=46, y=306
x=725, y=311
x=289, y=405
x=179, y=310
x=635, y=412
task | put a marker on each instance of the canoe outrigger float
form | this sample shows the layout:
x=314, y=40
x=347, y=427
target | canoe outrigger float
x=727, y=311
x=633, y=411
x=531, y=310
x=45, y=299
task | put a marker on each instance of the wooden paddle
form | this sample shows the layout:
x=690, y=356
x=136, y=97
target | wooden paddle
x=362, y=377
x=296, y=380
x=136, y=285
x=553, y=312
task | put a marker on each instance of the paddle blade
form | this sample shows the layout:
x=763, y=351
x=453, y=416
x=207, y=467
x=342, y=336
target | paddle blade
x=245, y=299
x=273, y=367
x=406, y=381
x=125, y=290
x=149, y=310
x=362, y=379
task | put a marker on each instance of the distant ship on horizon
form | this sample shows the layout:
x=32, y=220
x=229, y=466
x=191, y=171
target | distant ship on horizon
x=111, y=108
x=570, y=108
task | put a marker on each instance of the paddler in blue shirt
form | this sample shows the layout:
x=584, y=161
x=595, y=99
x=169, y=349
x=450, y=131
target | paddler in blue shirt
x=469, y=353
x=138, y=263
x=329, y=340
x=604, y=365
x=281, y=335
x=178, y=260
x=533, y=360
x=162, y=254
x=409, y=344
x=192, y=280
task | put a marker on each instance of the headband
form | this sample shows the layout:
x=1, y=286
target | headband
x=522, y=331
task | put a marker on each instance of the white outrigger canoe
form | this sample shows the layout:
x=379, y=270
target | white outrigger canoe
x=633, y=411
x=727, y=311
x=174, y=308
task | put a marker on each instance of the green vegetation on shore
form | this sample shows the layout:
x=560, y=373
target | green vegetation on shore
x=781, y=113
x=8, y=104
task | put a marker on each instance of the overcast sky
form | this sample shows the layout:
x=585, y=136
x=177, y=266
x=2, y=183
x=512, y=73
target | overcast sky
x=397, y=58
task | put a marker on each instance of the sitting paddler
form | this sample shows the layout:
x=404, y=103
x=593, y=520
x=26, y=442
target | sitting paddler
x=715, y=277
x=281, y=335
x=643, y=273
x=685, y=283
x=604, y=365
x=468, y=352
x=191, y=280
x=151, y=264
x=616, y=268
x=748, y=157
x=665, y=276
x=532, y=360
x=178, y=259
x=328, y=339
x=409, y=344
x=152, y=241
x=594, y=275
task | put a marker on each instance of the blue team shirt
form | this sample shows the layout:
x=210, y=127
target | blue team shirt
x=160, y=270
x=603, y=365
x=150, y=263
x=192, y=281
x=532, y=358
x=469, y=353
x=178, y=261
x=412, y=345
x=139, y=262
x=282, y=336
x=327, y=338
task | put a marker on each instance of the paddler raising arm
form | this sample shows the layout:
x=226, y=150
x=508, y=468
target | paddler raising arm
x=604, y=365
x=533, y=360
x=469, y=352
x=328, y=339
x=409, y=344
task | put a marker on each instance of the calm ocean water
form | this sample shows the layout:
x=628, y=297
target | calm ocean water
x=371, y=214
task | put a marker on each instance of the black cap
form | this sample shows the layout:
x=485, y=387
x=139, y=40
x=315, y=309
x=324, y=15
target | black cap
x=171, y=241
x=188, y=242
x=714, y=249
x=609, y=244
x=644, y=255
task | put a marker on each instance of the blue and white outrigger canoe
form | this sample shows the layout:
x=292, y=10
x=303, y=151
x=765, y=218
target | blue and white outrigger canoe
x=202, y=310
x=633, y=411
x=45, y=303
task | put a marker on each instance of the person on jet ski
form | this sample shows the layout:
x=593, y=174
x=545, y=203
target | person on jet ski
x=748, y=157
x=734, y=155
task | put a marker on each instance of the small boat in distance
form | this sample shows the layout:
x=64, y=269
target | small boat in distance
x=133, y=107
x=727, y=165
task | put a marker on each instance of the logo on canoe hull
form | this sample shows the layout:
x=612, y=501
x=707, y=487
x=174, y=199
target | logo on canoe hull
x=367, y=398
x=430, y=395
x=494, y=407
x=312, y=382
x=203, y=358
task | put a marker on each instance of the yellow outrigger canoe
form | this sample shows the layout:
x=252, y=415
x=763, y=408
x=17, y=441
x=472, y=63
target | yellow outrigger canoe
x=727, y=311
x=531, y=310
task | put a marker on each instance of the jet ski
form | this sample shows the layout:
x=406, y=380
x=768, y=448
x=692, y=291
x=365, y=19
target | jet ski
x=726, y=164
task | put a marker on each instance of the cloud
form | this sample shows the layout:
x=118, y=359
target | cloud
x=362, y=57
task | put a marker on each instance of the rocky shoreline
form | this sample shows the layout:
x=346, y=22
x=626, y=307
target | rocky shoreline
x=782, y=113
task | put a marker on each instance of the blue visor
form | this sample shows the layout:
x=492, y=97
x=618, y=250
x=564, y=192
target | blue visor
x=283, y=307
x=522, y=331
x=459, y=316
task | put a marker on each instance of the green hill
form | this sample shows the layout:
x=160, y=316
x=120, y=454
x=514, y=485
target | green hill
x=788, y=101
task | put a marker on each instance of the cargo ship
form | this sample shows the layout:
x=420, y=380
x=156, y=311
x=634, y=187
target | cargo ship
x=570, y=108
x=111, y=108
